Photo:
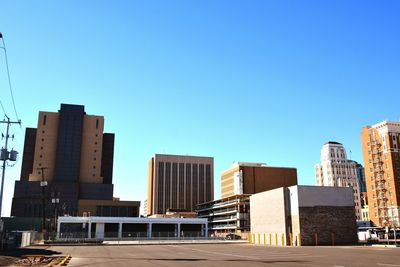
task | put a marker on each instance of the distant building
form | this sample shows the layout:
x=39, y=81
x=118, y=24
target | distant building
x=336, y=170
x=303, y=216
x=69, y=154
x=380, y=144
x=179, y=182
x=361, y=178
x=364, y=207
x=250, y=178
x=227, y=215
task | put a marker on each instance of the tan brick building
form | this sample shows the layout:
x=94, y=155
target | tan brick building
x=380, y=144
x=179, y=182
x=72, y=155
x=251, y=178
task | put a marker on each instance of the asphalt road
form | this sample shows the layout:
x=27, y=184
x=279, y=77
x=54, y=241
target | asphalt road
x=229, y=255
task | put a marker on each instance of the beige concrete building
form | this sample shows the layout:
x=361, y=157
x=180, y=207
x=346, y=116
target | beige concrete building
x=303, y=216
x=380, y=144
x=70, y=155
x=179, y=182
x=250, y=178
x=336, y=170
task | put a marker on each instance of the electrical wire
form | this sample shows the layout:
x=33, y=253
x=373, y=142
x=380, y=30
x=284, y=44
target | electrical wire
x=8, y=75
x=2, y=107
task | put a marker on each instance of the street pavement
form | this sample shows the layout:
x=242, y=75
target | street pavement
x=229, y=255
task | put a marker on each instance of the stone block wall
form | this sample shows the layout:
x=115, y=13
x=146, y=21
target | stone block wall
x=327, y=225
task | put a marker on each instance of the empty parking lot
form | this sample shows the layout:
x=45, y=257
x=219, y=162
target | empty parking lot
x=228, y=254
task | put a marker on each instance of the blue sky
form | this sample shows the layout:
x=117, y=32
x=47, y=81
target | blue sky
x=263, y=81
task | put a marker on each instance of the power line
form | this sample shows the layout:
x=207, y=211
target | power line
x=8, y=75
x=2, y=107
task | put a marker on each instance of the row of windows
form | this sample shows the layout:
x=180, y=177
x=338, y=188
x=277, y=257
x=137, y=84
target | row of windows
x=172, y=181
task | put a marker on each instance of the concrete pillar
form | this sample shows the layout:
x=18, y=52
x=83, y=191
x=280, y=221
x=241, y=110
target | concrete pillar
x=149, y=230
x=100, y=230
x=58, y=229
x=179, y=230
x=206, y=229
x=120, y=230
x=89, y=234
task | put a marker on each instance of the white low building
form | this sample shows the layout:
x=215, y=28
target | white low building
x=120, y=227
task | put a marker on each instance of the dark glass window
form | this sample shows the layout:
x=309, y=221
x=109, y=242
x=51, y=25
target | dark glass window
x=174, y=185
x=167, y=186
x=44, y=119
x=208, y=183
x=188, y=185
x=201, y=184
x=160, y=186
x=195, y=186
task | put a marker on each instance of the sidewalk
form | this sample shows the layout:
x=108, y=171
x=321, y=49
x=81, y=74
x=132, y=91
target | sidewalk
x=172, y=242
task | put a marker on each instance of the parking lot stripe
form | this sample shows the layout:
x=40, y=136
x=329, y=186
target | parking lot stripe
x=388, y=264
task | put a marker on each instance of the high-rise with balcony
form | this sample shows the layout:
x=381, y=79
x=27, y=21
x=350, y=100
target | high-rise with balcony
x=380, y=144
x=179, y=183
x=336, y=170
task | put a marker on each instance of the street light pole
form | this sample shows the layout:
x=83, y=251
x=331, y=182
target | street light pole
x=55, y=200
x=43, y=184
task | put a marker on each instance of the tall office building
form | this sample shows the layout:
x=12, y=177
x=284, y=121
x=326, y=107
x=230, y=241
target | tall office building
x=179, y=182
x=250, y=178
x=69, y=151
x=336, y=170
x=380, y=144
x=362, y=185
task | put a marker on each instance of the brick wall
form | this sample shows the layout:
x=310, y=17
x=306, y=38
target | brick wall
x=325, y=221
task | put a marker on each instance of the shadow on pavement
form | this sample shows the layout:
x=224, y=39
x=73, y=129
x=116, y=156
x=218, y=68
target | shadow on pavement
x=18, y=252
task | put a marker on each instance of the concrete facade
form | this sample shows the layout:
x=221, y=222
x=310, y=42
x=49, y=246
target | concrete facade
x=69, y=151
x=303, y=215
x=227, y=215
x=179, y=182
x=336, y=170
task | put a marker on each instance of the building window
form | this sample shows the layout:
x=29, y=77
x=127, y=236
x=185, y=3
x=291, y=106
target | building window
x=44, y=119
x=97, y=124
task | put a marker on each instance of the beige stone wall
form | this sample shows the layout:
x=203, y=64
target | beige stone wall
x=92, y=144
x=45, y=146
x=267, y=216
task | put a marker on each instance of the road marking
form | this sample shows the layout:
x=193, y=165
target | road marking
x=218, y=253
x=387, y=264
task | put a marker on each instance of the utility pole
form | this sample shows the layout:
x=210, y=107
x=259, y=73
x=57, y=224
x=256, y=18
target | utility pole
x=43, y=184
x=5, y=157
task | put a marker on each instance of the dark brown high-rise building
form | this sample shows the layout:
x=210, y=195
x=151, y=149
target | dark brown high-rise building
x=179, y=182
x=251, y=178
x=69, y=151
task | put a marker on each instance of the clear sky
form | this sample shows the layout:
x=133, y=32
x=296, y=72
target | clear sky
x=262, y=81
